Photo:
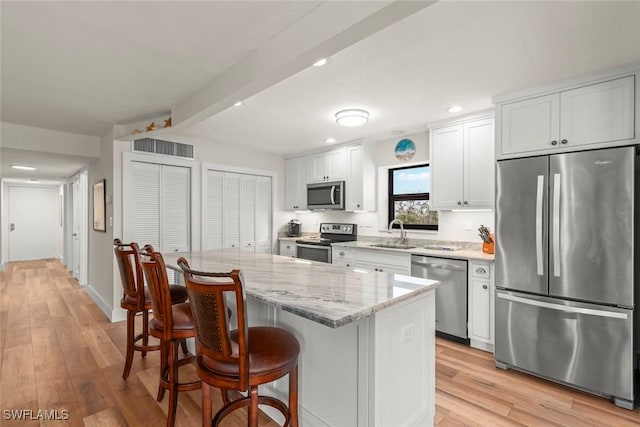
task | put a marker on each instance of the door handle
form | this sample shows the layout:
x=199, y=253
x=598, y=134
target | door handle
x=539, y=199
x=556, y=225
x=12, y=227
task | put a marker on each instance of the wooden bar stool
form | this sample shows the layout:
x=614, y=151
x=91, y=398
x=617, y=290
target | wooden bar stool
x=242, y=359
x=171, y=324
x=136, y=299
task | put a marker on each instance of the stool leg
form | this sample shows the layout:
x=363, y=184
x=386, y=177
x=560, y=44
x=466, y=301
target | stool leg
x=145, y=330
x=173, y=381
x=183, y=344
x=206, y=405
x=163, y=366
x=131, y=318
x=225, y=396
x=253, y=408
x=293, y=397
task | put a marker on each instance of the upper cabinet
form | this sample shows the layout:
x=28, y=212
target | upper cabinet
x=462, y=164
x=328, y=166
x=296, y=183
x=352, y=164
x=584, y=116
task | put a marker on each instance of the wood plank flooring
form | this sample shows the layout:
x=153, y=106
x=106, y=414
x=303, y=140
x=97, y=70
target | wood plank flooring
x=59, y=352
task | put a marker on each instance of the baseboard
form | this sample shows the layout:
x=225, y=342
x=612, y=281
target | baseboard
x=114, y=315
x=481, y=345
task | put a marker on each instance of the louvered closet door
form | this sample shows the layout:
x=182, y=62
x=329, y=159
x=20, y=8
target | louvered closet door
x=175, y=208
x=145, y=204
x=248, y=213
x=263, y=214
x=231, y=219
x=214, y=213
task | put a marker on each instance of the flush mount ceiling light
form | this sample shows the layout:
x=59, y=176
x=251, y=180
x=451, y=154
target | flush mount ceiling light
x=320, y=62
x=352, y=117
x=454, y=109
x=330, y=140
x=237, y=104
x=24, y=168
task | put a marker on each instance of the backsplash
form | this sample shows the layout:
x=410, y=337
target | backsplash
x=453, y=226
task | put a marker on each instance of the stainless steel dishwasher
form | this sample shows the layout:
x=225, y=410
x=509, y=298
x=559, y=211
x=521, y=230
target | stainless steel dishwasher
x=451, y=295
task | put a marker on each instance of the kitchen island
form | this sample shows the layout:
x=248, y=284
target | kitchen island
x=367, y=339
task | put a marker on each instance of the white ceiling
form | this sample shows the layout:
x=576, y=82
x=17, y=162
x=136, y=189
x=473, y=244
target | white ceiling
x=83, y=66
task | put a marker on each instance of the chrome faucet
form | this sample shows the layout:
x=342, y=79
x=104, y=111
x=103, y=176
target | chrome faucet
x=403, y=235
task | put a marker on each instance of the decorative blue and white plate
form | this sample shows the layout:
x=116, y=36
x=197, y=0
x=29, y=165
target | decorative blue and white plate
x=405, y=149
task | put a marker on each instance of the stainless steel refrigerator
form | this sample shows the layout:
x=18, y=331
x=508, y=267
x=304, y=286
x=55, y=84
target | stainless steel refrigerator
x=567, y=269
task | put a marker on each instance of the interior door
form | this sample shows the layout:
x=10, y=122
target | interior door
x=32, y=213
x=591, y=236
x=75, y=230
x=521, y=224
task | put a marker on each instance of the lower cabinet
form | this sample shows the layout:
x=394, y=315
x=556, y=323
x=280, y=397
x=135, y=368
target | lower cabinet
x=371, y=260
x=481, y=305
x=344, y=257
x=287, y=248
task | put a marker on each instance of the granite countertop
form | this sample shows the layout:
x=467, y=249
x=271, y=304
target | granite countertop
x=327, y=294
x=468, y=253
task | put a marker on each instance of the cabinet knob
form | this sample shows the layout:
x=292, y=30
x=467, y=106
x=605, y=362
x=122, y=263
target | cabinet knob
x=358, y=205
x=466, y=203
x=484, y=286
x=459, y=202
x=554, y=142
x=481, y=270
x=348, y=265
x=380, y=270
x=341, y=253
x=564, y=141
x=288, y=246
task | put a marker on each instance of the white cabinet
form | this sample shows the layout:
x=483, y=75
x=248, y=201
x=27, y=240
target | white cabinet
x=360, y=185
x=236, y=211
x=589, y=116
x=328, y=166
x=481, y=305
x=462, y=165
x=343, y=256
x=296, y=183
x=288, y=248
x=381, y=260
x=158, y=206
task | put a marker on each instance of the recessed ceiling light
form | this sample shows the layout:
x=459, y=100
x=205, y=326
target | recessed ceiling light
x=352, y=117
x=24, y=168
x=455, y=109
x=320, y=62
x=237, y=104
x=330, y=140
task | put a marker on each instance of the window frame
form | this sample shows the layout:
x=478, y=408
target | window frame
x=391, y=199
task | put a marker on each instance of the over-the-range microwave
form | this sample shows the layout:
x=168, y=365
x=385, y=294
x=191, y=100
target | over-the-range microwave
x=325, y=195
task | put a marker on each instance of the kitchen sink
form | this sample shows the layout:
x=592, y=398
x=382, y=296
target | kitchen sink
x=391, y=246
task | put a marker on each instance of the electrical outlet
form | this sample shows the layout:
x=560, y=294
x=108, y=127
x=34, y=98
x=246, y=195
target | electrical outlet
x=406, y=333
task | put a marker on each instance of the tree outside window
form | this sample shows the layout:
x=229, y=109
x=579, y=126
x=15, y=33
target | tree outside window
x=409, y=198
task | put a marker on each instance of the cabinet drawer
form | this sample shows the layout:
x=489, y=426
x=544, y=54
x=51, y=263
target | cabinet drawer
x=288, y=248
x=481, y=271
x=342, y=255
x=384, y=258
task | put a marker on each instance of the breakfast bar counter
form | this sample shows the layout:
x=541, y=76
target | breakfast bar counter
x=367, y=339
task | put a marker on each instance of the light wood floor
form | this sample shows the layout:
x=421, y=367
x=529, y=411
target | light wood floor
x=59, y=352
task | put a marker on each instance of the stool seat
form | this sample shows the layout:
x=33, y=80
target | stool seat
x=182, y=320
x=271, y=350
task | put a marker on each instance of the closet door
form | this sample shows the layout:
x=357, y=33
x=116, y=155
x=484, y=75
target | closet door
x=263, y=214
x=248, y=213
x=214, y=234
x=175, y=208
x=231, y=217
x=145, y=204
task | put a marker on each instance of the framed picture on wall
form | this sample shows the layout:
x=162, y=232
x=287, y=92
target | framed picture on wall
x=99, y=206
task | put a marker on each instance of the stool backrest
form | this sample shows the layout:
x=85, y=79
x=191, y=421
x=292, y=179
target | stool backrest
x=131, y=274
x=211, y=317
x=155, y=271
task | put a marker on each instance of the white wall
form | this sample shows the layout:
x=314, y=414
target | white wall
x=455, y=226
x=48, y=141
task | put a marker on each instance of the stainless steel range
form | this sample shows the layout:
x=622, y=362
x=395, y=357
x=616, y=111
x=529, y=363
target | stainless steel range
x=319, y=249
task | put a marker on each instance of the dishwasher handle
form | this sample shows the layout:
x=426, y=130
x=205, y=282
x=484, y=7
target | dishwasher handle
x=441, y=266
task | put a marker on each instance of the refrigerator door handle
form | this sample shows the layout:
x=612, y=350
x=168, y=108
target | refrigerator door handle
x=539, y=198
x=565, y=308
x=556, y=224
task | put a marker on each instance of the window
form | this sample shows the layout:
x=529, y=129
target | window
x=409, y=198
